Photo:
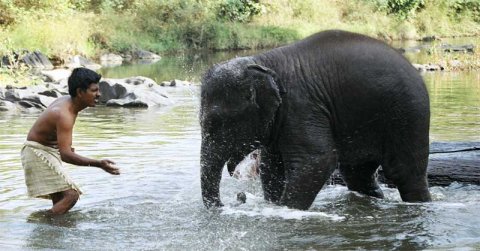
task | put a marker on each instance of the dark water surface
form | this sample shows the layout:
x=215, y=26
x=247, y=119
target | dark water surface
x=155, y=204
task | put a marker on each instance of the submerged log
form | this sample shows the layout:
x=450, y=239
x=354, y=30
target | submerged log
x=448, y=162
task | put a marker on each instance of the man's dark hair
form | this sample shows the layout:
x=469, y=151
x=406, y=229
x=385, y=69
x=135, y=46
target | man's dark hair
x=81, y=78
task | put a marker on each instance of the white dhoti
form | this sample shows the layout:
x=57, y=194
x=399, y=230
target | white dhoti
x=44, y=174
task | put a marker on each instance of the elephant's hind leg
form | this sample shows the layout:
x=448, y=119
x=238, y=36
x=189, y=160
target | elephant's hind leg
x=361, y=178
x=406, y=168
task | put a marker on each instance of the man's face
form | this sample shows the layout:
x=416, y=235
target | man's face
x=91, y=95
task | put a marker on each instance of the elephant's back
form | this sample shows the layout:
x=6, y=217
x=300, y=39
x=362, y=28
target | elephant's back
x=335, y=53
x=368, y=87
x=346, y=67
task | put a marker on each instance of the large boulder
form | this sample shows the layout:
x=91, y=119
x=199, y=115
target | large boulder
x=79, y=61
x=110, y=89
x=144, y=57
x=36, y=97
x=128, y=92
x=56, y=75
x=458, y=48
x=37, y=60
x=110, y=59
x=133, y=92
x=143, y=54
x=7, y=106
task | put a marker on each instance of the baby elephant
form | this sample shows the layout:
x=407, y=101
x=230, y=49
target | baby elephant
x=334, y=99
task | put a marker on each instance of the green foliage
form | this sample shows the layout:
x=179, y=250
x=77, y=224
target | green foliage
x=58, y=5
x=238, y=10
x=7, y=16
x=404, y=8
x=99, y=6
x=466, y=7
x=51, y=33
x=63, y=27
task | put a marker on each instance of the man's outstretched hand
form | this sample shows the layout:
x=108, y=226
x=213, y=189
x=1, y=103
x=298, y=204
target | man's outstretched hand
x=108, y=166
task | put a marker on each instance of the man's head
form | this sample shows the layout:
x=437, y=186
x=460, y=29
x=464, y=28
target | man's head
x=82, y=78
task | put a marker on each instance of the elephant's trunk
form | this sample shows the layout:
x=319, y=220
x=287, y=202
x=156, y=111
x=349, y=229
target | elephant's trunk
x=213, y=159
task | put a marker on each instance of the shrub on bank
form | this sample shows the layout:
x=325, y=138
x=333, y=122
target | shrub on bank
x=58, y=27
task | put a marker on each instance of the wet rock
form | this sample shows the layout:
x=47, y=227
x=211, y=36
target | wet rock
x=167, y=83
x=142, y=97
x=129, y=92
x=133, y=92
x=415, y=49
x=31, y=104
x=79, y=61
x=7, y=106
x=110, y=60
x=177, y=82
x=140, y=81
x=11, y=95
x=111, y=90
x=143, y=54
x=56, y=75
x=448, y=162
x=429, y=67
x=455, y=64
x=37, y=60
x=46, y=100
x=430, y=38
x=466, y=48
x=458, y=48
x=241, y=197
x=28, y=98
x=51, y=93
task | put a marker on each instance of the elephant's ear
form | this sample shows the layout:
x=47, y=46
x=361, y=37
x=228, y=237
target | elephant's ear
x=262, y=69
x=266, y=91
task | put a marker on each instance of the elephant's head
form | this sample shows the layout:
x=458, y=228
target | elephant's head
x=239, y=100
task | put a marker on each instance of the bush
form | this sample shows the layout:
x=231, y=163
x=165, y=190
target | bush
x=99, y=6
x=404, y=8
x=469, y=7
x=238, y=10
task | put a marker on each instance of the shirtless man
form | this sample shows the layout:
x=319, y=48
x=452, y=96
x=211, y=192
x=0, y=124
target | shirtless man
x=49, y=142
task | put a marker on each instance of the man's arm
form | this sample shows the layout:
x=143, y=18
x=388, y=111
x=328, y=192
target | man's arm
x=64, y=125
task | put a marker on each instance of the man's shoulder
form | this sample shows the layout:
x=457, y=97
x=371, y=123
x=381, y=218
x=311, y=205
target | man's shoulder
x=59, y=109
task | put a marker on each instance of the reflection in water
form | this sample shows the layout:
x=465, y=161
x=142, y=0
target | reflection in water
x=185, y=66
x=156, y=203
x=455, y=106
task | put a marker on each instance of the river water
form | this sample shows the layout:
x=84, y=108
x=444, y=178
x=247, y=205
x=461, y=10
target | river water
x=155, y=204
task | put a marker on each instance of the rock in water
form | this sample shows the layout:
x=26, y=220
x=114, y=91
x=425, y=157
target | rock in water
x=241, y=197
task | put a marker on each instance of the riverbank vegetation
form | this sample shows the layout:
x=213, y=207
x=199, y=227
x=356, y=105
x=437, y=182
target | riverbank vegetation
x=90, y=27
x=62, y=28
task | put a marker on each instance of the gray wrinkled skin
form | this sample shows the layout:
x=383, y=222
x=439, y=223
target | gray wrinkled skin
x=335, y=99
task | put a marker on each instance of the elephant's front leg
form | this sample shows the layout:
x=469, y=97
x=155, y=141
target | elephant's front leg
x=304, y=177
x=272, y=175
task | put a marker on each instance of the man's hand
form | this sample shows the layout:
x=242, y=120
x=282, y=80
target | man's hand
x=108, y=166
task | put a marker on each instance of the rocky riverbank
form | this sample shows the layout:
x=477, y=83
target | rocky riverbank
x=51, y=75
x=128, y=92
